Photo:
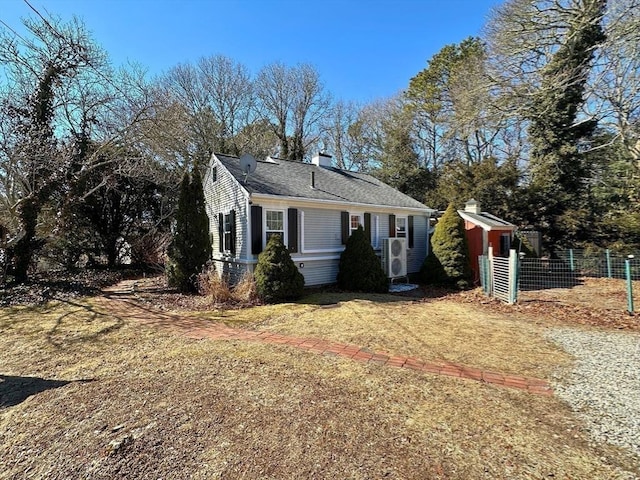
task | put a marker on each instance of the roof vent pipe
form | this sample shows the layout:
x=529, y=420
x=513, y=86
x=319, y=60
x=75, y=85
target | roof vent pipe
x=313, y=179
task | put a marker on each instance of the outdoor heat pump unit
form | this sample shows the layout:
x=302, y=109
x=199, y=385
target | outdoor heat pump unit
x=394, y=257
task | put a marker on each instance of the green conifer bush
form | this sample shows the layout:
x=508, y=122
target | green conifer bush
x=277, y=277
x=360, y=269
x=448, y=261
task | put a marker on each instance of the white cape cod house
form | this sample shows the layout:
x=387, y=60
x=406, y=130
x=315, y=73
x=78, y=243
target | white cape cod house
x=314, y=208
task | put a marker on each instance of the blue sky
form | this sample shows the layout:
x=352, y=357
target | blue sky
x=364, y=50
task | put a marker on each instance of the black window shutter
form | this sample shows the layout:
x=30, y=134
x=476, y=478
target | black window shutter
x=221, y=232
x=293, y=229
x=367, y=226
x=392, y=225
x=410, y=233
x=256, y=229
x=232, y=226
x=344, y=218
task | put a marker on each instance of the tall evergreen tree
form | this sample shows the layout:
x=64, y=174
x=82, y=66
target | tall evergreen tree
x=399, y=165
x=191, y=246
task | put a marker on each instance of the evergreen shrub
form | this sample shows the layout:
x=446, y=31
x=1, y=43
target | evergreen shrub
x=360, y=269
x=448, y=260
x=277, y=277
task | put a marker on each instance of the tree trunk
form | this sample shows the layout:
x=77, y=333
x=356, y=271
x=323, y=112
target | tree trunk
x=23, y=251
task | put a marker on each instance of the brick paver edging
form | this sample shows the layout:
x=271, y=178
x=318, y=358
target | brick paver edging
x=201, y=329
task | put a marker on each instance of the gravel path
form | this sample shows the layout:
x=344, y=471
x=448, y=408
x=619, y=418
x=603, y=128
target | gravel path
x=604, y=386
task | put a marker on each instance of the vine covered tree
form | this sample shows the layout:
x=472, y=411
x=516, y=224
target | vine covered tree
x=39, y=66
x=558, y=168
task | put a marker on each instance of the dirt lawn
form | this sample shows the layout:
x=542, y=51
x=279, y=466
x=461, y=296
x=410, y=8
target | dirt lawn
x=596, y=293
x=87, y=391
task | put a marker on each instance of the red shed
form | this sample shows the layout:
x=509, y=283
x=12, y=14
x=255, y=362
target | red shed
x=484, y=230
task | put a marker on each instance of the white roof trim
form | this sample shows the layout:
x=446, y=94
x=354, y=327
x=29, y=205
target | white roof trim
x=312, y=201
x=486, y=226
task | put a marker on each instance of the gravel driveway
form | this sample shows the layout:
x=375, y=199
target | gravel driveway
x=604, y=386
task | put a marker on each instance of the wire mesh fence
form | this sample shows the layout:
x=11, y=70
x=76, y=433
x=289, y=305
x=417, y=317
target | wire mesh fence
x=595, y=277
x=600, y=263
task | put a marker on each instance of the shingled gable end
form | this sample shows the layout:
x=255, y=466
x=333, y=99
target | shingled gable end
x=312, y=206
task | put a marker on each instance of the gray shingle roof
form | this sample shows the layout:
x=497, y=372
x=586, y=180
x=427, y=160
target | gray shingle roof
x=293, y=179
x=486, y=219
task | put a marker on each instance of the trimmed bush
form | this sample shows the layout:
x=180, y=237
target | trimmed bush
x=448, y=260
x=360, y=269
x=277, y=278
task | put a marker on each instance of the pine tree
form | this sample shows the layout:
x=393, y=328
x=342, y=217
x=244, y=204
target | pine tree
x=191, y=246
x=448, y=261
x=360, y=268
x=277, y=277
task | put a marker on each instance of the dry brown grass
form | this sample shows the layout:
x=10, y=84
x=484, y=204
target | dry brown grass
x=142, y=403
x=218, y=291
x=597, y=293
x=442, y=329
x=213, y=286
x=245, y=291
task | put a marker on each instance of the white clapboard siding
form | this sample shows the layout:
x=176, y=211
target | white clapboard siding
x=224, y=196
x=322, y=229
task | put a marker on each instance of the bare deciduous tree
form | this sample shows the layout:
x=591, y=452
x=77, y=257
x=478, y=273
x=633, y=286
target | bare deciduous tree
x=294, y=101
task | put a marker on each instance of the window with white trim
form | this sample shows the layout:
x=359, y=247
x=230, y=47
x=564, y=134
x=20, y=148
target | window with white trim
x=274, y=224
x=355, y=222
x=401, y=227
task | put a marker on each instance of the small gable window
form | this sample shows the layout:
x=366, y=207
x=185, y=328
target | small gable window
x=214, y=174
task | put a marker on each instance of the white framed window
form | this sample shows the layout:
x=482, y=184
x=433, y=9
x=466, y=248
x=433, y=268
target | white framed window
x=401, y=227
x=355, y=221
x=274, y=225
x=214, y=174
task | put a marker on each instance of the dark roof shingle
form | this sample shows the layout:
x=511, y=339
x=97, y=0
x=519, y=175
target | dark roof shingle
x=293, y=179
